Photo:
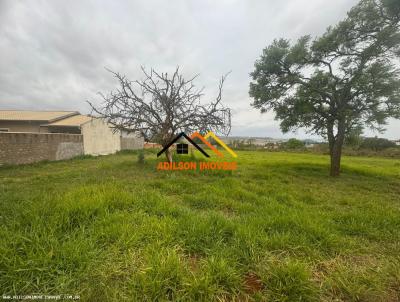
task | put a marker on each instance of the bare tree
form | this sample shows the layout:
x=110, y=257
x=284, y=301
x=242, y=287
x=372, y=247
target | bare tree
x=160, y=106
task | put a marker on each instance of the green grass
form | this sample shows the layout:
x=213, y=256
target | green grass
x=277, y=229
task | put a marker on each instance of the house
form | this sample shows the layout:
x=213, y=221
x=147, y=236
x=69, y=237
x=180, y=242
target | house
x=29, y=136
x=30, y=121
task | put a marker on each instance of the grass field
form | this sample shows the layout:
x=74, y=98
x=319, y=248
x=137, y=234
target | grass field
x=277, y=229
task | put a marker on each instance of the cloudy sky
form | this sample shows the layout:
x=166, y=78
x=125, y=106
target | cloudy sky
x=53, y=53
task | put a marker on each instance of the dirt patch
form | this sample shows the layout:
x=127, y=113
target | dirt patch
x=252, y=283
x=394, y=292
x=194, y=262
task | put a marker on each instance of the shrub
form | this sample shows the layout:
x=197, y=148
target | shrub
x=141, y=157
x=293, y=143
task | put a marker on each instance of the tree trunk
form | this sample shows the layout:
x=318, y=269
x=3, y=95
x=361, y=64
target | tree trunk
x=168, y=154
x=336, y=155
x=335, y=149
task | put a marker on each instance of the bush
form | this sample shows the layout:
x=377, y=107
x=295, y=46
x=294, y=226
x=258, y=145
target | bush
x=141, y=157
x=293, y=143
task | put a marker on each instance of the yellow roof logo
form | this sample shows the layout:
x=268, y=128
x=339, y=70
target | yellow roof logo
x=220, y=142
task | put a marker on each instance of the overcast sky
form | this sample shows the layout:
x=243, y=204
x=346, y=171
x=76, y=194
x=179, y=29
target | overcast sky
x=53, y=53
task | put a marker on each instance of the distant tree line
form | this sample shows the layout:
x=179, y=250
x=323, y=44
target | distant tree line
x=356, y=145
x=373, y=143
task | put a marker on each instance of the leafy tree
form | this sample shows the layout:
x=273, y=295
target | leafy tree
x=344, y=80
x=161, y=105
x=293, y=143
x=376, y=144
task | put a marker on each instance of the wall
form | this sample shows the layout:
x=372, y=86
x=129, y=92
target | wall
x=148, y=145
x=21, y=148
x=23, y=126
x=72, y=129
x=99, y=138
x=131, y=141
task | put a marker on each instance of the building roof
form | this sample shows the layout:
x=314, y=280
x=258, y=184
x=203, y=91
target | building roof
x=72, y=121
x=40, y=116
x=183, y=134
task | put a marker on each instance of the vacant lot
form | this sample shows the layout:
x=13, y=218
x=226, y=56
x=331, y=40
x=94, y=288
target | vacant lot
x=277, y=229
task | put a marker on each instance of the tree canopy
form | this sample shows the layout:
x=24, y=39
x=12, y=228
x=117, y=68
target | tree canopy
x=162, y=105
